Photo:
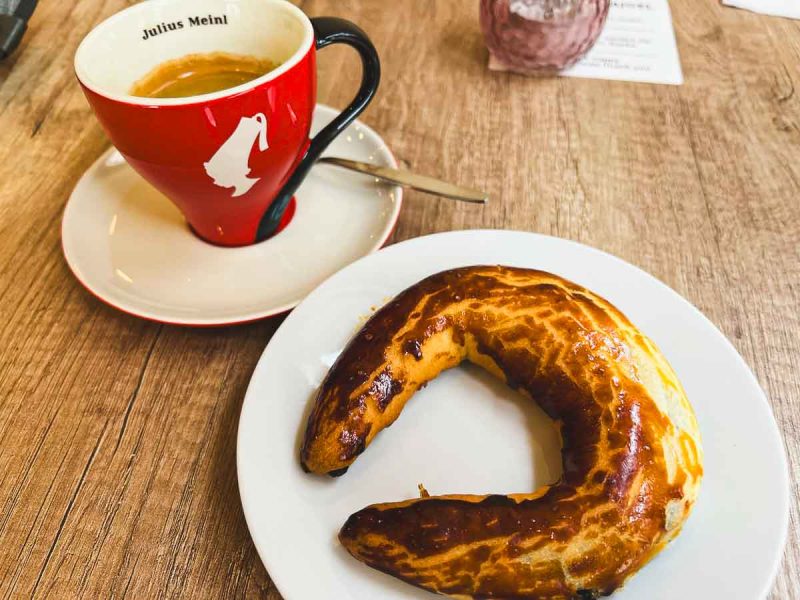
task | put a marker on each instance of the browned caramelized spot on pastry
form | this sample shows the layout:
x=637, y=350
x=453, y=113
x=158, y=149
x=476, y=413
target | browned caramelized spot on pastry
x=413, y=348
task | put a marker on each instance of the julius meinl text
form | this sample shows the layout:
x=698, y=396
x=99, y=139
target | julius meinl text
x=151, y=32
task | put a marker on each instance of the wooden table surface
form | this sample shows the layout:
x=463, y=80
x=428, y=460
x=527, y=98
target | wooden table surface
x=117, y=436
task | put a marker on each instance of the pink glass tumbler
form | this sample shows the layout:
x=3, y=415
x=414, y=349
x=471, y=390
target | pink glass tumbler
x=541, y=36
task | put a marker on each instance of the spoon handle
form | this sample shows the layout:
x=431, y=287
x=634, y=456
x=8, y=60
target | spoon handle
x=409, y=179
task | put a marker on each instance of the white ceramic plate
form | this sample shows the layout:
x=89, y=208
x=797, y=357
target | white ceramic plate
x=466, y=433
x=130, y=246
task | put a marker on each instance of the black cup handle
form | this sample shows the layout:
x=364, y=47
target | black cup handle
x=327, y=31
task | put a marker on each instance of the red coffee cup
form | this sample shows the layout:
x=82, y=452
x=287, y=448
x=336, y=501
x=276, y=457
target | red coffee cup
x=231, y=160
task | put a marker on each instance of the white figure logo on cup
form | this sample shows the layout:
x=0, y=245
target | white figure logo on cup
x=229, y=166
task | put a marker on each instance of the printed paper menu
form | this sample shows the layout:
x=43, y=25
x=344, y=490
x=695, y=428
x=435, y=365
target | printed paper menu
x=637, y=44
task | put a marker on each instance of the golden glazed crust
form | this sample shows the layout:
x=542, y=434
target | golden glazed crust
x=632, y=460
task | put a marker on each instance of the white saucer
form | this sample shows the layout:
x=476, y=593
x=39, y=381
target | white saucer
x=129, y=245
x=467, y=433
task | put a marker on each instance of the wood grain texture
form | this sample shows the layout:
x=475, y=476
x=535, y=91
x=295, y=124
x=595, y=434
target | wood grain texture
x=117, y=436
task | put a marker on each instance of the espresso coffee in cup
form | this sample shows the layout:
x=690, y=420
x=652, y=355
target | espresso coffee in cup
x=196, y=74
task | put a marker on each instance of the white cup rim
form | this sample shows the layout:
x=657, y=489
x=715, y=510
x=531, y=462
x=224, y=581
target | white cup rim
x=83, y=76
